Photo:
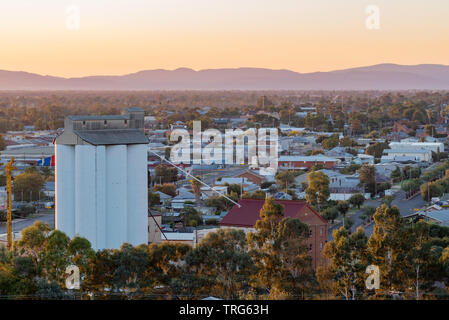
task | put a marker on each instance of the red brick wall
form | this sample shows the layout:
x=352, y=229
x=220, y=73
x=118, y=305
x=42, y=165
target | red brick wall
x=251, y=177
x=318, y=236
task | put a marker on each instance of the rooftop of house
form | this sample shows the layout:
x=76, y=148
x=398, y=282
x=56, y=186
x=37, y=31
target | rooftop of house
x=38, y=151
x=249, y=212
x=441, y=216
x=319, y=158
x=407, y=150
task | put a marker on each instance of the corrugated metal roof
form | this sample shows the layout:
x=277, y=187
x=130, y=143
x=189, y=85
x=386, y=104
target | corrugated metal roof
x=318, y=158
x=112, y=137
x=440, y=215
x=415, y=150
x=102, y=117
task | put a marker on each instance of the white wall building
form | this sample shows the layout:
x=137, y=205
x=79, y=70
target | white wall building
x=432, y=146
x=101, y=179
x=411, y=154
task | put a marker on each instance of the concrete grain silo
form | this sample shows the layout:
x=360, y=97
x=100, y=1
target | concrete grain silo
x=102, y=180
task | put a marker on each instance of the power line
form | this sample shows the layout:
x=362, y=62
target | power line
x=188, y=174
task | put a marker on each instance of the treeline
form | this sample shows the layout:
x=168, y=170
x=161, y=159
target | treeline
x=364, y=112
x=413, y=259
x=273, y=262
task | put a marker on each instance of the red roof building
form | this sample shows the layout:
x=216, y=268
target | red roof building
x=249, y=212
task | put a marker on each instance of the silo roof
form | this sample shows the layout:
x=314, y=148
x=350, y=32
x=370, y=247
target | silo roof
x=112, y=137
x=101, y=117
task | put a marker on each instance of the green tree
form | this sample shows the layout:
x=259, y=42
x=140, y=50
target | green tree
x=165, y=174
x=342, y=207
x=284, y=179
x=191, y=217
x=330, y=214
x=367, y=177
x=258, y=194
x=357, y=200
x=429, y=130
x=55, y=258
x=348, y=258
x=167, y=269
x=387, y=246
x=396, y=174
x=166, y=188
x=32, y=242
x=222, y=258
x=2, y=143
x=430, y=190
x=234, y=187
x=330, y=142
x=376, y=149
x=153, y=199
x=29, y=185
x=317, y=191
x=420, y=259
x=280, y=251
x=196, y=188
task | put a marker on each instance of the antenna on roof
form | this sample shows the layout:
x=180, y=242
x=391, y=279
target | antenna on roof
x=188, y=174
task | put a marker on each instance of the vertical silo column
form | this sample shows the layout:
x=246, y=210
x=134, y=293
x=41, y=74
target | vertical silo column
x=65, y=189
x=85, y=208
x=116, y=195
x=100, y=168
x=137, y=218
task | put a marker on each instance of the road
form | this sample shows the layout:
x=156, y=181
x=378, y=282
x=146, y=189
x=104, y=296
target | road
x=19, y=224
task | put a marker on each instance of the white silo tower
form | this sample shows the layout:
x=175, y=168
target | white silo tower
x=102, y=179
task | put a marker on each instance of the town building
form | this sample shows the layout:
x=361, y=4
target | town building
x=305, y=162
x=245, y=217
x=101, y=179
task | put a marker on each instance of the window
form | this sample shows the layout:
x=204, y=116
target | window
x=321, y=246
x=105, y=122
x=321, y=232
x=310, y=232
x=310, y=247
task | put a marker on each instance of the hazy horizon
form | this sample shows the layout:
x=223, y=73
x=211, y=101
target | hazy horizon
x=228, y=68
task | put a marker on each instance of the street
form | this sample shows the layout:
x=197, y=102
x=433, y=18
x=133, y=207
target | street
x=19, y=224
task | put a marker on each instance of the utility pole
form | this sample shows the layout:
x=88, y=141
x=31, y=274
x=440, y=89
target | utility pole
x=8, y=169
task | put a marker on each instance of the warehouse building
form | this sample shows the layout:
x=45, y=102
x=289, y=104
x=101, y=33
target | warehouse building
x=101, y=179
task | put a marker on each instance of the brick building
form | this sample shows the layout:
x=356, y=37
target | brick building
x=305, y=162
x=246, y=216
x=252, y=176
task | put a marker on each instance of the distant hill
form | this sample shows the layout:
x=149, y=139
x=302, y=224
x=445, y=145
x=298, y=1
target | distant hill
x=377, y=77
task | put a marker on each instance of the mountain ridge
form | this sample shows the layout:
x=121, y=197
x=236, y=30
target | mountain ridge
x=386, y=76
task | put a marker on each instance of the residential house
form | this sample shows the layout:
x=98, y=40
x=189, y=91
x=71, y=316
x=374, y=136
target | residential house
x=406, y=155
x=252, y=177
x=245, y=215
x=305, y=162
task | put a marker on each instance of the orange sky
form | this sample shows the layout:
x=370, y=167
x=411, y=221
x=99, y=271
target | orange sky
x=118, y=36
